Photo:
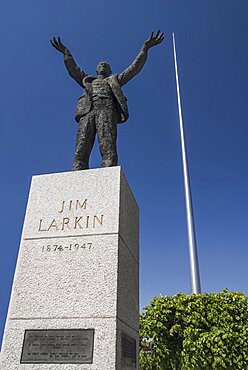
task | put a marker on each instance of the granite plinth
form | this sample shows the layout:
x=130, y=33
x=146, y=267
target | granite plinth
x=78, y=267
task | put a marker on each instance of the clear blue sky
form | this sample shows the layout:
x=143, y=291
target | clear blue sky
x=38, y=129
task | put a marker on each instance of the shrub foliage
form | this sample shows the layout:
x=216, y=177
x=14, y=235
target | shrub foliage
x=195, y=332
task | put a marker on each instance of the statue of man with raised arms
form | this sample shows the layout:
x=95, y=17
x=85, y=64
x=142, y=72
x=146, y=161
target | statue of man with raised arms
x=103, y=105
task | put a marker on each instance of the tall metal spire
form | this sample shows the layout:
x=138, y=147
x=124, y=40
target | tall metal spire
x=193, y=259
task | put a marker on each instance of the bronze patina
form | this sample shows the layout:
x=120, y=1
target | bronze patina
x=103, y=104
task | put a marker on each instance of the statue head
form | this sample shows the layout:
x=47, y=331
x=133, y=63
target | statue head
x=103, y=69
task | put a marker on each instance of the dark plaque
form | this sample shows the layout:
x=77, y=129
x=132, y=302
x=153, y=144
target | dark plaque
x=73, y=346
x=128, y=351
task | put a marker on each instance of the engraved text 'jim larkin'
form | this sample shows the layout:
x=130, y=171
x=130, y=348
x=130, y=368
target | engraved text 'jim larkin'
x=73, y=223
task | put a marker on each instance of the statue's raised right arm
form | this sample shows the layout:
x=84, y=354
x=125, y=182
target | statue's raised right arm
x=141, y=58
x=73, y=69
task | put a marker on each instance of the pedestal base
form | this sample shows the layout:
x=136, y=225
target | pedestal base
x=78, y=268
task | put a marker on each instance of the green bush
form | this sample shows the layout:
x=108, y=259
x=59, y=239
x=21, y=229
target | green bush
x=195, y=332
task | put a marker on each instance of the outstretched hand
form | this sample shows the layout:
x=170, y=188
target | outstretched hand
x=154, y=40
x=57, y=44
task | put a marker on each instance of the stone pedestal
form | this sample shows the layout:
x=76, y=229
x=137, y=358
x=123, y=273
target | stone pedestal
x=78, y=268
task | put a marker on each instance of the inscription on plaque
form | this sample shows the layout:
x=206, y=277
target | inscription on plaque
x=57, y=346
x=128, y=351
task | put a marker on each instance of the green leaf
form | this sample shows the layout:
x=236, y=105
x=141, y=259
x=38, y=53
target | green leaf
x=195, y=332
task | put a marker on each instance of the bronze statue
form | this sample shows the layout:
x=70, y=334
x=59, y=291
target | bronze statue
x=103, y=104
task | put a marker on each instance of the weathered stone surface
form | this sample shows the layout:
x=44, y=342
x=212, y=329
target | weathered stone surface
x=104, y=353
x=80, y=281
x=79, y=274
x=97, y=192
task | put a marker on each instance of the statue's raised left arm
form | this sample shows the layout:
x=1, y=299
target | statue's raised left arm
x=141, y=58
